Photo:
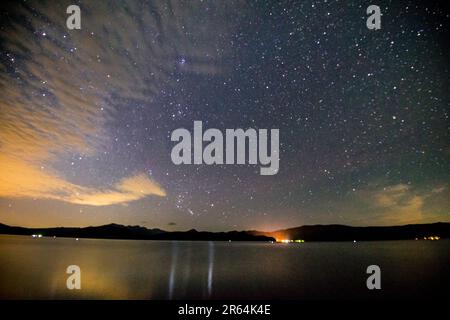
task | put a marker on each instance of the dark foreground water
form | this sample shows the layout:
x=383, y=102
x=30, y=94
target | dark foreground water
x=120, y=269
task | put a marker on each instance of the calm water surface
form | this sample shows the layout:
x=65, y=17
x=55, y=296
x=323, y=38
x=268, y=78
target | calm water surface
x=122, y=269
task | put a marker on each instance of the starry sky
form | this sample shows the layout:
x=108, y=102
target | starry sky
x=86, y=115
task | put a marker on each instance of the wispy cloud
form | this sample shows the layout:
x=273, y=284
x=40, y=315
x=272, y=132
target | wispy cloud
x=126, y=190
x=58, y=88
x=21, y=179
x=399, y=203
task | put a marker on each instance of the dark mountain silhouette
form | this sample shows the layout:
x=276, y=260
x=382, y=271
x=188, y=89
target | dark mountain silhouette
x=307, y=233
x=117, y=231
x=347, y=233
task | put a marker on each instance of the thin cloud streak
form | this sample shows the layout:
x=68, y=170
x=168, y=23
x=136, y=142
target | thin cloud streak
x=19, y=179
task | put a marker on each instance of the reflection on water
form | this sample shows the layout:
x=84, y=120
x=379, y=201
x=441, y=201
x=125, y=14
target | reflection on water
x=172, y=269
x=210, y=267
x=35, y=268
x=186, y=264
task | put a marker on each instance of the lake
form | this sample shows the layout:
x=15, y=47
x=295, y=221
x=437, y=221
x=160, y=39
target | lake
x=35, y=268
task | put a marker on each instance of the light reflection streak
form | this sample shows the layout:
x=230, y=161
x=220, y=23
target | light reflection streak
x=173, y=269
x=210, y=267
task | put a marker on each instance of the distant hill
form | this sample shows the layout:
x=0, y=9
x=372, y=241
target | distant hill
x=116, y=231
x=347, y=233
x=307, y=233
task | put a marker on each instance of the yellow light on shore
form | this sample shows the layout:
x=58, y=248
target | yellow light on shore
x=290, y=241
x=432, y=238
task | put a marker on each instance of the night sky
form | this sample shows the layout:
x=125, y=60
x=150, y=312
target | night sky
x=86, y=115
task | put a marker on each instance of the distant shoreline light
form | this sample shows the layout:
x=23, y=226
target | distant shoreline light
x=290, y=241
x=430, y=238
